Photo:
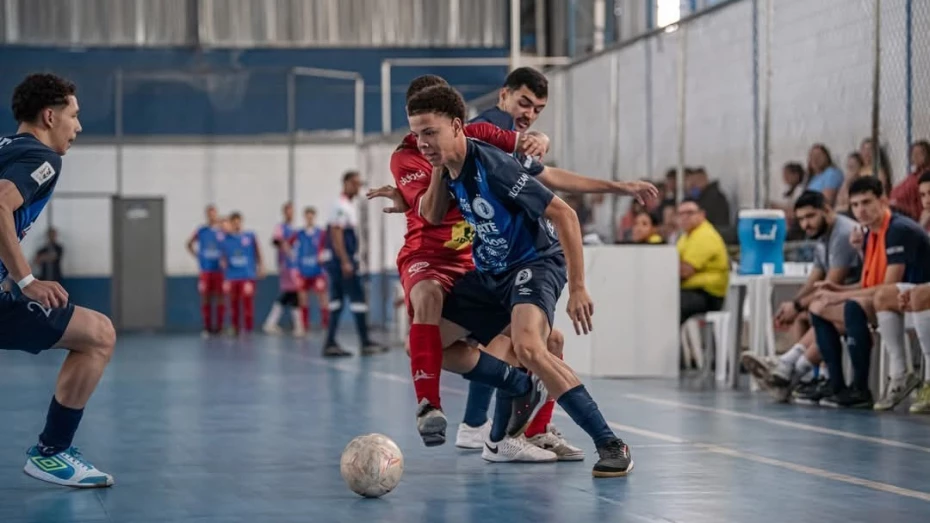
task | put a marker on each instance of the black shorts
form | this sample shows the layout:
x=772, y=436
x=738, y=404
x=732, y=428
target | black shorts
x=288, y=299
x=482, y=302
x=28, y=326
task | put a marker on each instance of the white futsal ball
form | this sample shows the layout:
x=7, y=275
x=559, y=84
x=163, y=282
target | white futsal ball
x=372, y=465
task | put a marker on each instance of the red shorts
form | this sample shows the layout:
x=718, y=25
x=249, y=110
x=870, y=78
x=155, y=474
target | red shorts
x=210, y=283
x=244, y=288
x=416, y=269
x=312, y=283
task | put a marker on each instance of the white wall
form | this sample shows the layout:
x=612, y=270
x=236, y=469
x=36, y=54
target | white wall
x=251, y=179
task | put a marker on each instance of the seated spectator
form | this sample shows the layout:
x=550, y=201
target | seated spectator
x=896, y=251
x=866, y=150
x=669, y=195
x=704, y=266
x=853, y=170
x=916, y=302
x=668, y=224
x=793, y=176
x=624, y=232
x=644, y=229
x=923, y=188
x=824, y=176
x=837, y=262
x=709, y=197
x=905, y=197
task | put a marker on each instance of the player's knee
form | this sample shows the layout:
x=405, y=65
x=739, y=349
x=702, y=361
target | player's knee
x=817, y=307
x=556, y=342
x=426, y=298
x=886, y=298
x=920, y=298
x=529, y=351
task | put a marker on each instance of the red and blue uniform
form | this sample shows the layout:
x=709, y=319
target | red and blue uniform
x=240, y=271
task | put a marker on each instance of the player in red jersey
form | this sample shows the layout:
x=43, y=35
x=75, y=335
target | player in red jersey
x=433, y=257
x=208, y=238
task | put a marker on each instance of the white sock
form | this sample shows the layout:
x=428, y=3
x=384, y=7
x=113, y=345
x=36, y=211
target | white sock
x=274, y=315
x=298, y=319
x=922, y=326
x=824, y=372
x=803, y=366
x=791, y=357
x=891, y=327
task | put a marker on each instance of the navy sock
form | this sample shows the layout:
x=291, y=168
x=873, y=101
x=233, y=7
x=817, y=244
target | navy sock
x=831, y=350
x=580, y=406
x=60, y=425
x=334, y=316
x=859, y=342
x=502, y=412
x=494, y=372
x=361, y=325
x=477, y=404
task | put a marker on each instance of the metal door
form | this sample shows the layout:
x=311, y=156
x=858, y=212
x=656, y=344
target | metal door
x=139, y=263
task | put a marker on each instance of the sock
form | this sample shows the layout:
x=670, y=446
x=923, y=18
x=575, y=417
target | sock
x=795, y=352
x=220, y=315
x=360, y=312
x=922, y=326
x=274, y=315
x=831, y=350
x=60, y=425
x=234, y=312
x=579, y=405
x=804, y=368
x=297, y=318
x=248, y=311
x=205, y=315
x=502, y=411
x=333, y=325
x=324, y=313
x=859, y=342
x=540, y=423
x=891, y=328
x=824, y=371
x=426, y=361
x=305, y=317
x=496, y=373
x=477, y=404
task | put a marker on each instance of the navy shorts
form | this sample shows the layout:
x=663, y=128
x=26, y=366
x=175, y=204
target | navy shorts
x=28, y=326
x=482, y=302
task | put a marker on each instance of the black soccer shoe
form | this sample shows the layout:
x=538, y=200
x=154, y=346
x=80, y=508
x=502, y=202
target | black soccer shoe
x=431, y=424
x=526, y=407
x=335, y=351
x=615, y=460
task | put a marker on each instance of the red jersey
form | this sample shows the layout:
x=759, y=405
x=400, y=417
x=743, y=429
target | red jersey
x=412, y=173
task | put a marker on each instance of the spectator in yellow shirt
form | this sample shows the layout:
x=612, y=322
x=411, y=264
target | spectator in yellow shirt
x=704, y=267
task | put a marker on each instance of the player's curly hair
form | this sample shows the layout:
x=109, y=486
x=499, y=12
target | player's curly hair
x=440, y=99
x=38, y=92
x=424, y=82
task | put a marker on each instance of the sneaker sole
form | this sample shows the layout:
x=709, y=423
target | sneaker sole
x=48, y=478
x=607, y=474
x=757, y=369
x=434, y=433
x=904, y=395
x=496, y=459
x=571, y=457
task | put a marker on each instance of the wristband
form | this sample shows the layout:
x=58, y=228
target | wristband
x=26, y=281
x=797, y=305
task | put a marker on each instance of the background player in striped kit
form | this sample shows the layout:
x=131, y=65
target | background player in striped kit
x=288, y=280
x=242, y=265
x=207, y=239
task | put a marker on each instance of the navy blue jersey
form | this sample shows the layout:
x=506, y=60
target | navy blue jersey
x=497, y=117
x=908, y=244
x=505, y=205
x=33, y=168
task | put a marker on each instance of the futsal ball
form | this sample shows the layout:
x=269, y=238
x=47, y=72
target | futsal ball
x=372, y=465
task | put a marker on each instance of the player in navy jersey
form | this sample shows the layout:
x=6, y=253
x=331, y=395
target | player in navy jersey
x=36, y=315
x=521, y=229
x=207, y=239
x=242, y=266
x=310, y=256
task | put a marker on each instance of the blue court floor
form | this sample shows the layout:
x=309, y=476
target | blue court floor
x=251, y=431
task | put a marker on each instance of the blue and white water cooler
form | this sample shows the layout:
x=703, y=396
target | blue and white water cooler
x=762, y=241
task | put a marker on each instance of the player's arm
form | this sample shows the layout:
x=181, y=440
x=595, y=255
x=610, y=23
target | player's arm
x=190, y=244
x=434, y=205
x=568, y=181
x=532, y=143
x=11, y=254
x=259, y=264
x=565, y=220
x=339, y=246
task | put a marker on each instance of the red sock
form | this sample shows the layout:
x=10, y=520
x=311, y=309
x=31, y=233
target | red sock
x=324, y=313
x=543, y=418
x=220, y=314
x=305, y=316
x=205, y=315
x=426, y=361
x=248, y=311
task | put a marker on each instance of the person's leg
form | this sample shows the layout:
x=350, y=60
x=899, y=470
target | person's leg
x=248, y=305
x=203, y=289
x=919, y=307
x=219, y=299
x=691, y=303
x=359, y=307
x=233, y=293
x=859, y=315
x=274, y=315
x=825, y=319
x=336, y=303
x=890, y=316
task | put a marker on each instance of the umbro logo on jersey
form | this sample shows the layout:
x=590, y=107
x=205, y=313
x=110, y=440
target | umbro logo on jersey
x=44, y=173
x=412, y=177
x=420, y=375
x=417, y=267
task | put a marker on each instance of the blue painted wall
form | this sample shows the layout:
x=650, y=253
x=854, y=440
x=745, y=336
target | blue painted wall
x=253, y=103
x=182, y=303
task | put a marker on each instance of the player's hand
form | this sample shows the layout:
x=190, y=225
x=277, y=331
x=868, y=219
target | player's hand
x=857, y=237
x=904, y=300
x=580, y=310
x=49, y=294
x=390, y=192
x=534, y=144
x=832, y=297
x=347, y=269
x=826, y=285
x=786, y=313
x=644, y=192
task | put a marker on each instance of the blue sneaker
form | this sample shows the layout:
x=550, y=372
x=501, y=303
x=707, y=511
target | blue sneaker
x=68, y=468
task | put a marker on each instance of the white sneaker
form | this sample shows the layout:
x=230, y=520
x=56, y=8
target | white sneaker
x=472, y=438
x=272, y=330
x=68, y=468
x=552, y=440
x=516, y=449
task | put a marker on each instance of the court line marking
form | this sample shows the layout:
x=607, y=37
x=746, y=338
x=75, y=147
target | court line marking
x=779, y=422
x=717, y=449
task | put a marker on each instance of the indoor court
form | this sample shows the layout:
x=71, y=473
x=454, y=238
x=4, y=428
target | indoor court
x=251, y=430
